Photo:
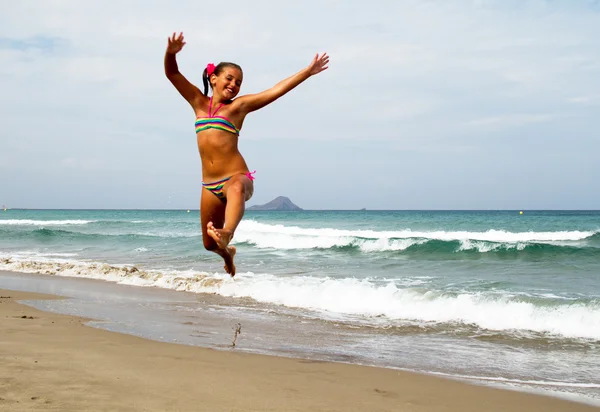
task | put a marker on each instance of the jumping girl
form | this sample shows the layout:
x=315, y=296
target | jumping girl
x=226, y=179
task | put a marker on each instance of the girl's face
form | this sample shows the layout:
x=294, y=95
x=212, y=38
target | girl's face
x=228, y=82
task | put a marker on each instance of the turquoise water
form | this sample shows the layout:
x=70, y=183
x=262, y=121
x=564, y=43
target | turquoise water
x=516, y=295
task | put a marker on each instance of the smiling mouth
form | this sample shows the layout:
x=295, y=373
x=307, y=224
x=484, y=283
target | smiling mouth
x=229, y=90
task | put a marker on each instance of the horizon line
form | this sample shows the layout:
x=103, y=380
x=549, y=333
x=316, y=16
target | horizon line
x=321, y=210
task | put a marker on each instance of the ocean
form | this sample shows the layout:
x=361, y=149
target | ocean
x=498, y=298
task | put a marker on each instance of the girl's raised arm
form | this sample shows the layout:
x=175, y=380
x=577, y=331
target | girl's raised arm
x=252, y=102
x=189, y=92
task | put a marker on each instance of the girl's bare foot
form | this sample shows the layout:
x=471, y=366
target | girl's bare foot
x=221, y=236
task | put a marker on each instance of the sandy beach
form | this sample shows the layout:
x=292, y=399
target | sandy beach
x=56, y=362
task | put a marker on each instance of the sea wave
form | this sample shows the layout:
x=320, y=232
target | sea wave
x=30, y=222
x=371, y=301
x=267, y=236
x=61, y=234
x=289, y=238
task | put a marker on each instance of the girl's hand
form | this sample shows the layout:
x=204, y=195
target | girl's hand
x=176, y=43
x=318, y=64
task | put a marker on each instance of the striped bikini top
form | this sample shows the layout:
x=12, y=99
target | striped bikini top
x=215, y=122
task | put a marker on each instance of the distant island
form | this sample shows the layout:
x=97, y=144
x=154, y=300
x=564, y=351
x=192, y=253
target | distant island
x=281, y=203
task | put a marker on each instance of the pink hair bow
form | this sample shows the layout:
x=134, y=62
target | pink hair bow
x=210, y=69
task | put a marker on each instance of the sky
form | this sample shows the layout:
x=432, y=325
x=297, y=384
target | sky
x=427, y=104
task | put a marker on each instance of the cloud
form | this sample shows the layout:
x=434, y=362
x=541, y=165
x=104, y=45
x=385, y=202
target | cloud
x=47, y=44
x=512, y=120
x=83, y=82
x=591, y=99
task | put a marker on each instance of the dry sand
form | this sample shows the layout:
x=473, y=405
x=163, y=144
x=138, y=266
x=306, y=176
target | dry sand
x=51, y=362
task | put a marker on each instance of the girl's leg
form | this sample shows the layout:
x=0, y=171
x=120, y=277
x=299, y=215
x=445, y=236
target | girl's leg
x=237, y=190
x=212, y=210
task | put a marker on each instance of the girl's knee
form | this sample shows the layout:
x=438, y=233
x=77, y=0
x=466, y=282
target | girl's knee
x=210, y=245
x=237, y=188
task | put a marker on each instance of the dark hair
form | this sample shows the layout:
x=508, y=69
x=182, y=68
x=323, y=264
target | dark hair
x=218, y=69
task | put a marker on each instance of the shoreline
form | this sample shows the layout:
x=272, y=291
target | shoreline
x=57, y=362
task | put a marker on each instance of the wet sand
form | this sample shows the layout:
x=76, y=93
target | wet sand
x=55, y=362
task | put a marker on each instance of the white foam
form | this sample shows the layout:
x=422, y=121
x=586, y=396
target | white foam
x=33, y=253
x=361, y=297
x=292, y=237
x=394, y=300
x=28, y=222
x=123, y=274
x=584, y=385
